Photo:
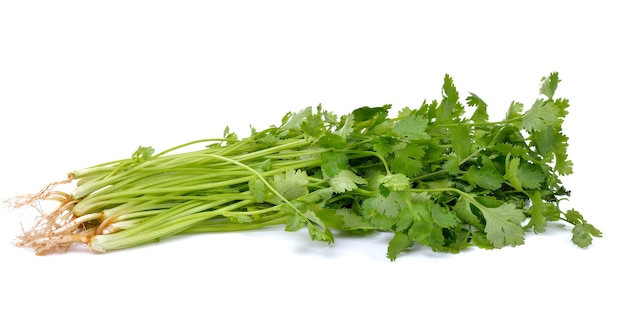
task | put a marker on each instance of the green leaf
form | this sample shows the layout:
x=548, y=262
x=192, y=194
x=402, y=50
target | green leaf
x=541, y=115
x=346, y=129
x=295, y=222
x=383, y=146
x=562, y=165
x=582, y=234
x=530, y=176
x=512, y=173
x=313, y=125
x=258, y=190
x=346, y=181
x=399, y=243
x=480, y=115
x=292, y=121
x=331, y=140
x=408, y=160
x=549, y=141
x=480, y=240
x=549, y=85
x=388, y=206
x=320, y=234
x=485, y=177
x=562, y=104
x=452, y=164
x=503, y=224
x=333, y=163
x=515, y=110
x=342, y=219
x=291, y=185
x=538, y=220
x=574, y=217
x=413, y=127
x=420, y=231
x=463, y=210
x=395, y=182
x=513, y=150
x=352, y=220
x=320, y=195
x=239, y=218
x=374, y=115
x=442, y=217
x=450, y=109
x=461, y=141
x=143, y=153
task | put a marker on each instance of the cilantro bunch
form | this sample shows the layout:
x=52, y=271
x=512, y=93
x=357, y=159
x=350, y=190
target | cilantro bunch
x=435, y=175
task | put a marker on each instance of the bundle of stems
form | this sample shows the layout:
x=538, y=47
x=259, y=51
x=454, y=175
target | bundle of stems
x=149, y=197
x=431, y=175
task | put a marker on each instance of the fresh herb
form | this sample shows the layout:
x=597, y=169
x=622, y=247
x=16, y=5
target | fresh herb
x=435, y=175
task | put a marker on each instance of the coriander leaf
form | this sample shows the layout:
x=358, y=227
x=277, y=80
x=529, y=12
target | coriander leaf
x=480, y=114
x=442, y=217
x=541, y=115
x=515, y=110
x=399, y=243
x=295, y=222
x=485, y=177
x=320, y=195
x=562, y=165
x=320, y=234
x=351, y=220
x=143, y=153
x=383, y=146
x=408, y=160
x=374, y=115
x=551, y=211
x=383, y=211
x=549, y=141
x=549, y=84
x=389, y=206
x=562, y=104
x=582, y=234
x=463, y=210
x=450, y=109
x=452, y=165
x=530, y=176
x=345, y=181
x=331, y=140
x=313, y=125
x=512, y=173
x=231, y=137
x=346, y=128
x=333, y=163
x=413, y=127
x=291, y=185
x=395, y=182
x=480, y=240
x=292, y=121
x=574, y=217
x=239, y=218
x=258, y=190
x=538, y=220
x=404, y=112
x=343, y=219
x=513, y=150
x=329, y=117
x=420, y=231
x=428, y=110
x=461, y=141
x=502, y=224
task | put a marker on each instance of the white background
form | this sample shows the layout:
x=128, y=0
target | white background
x=85, y=82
